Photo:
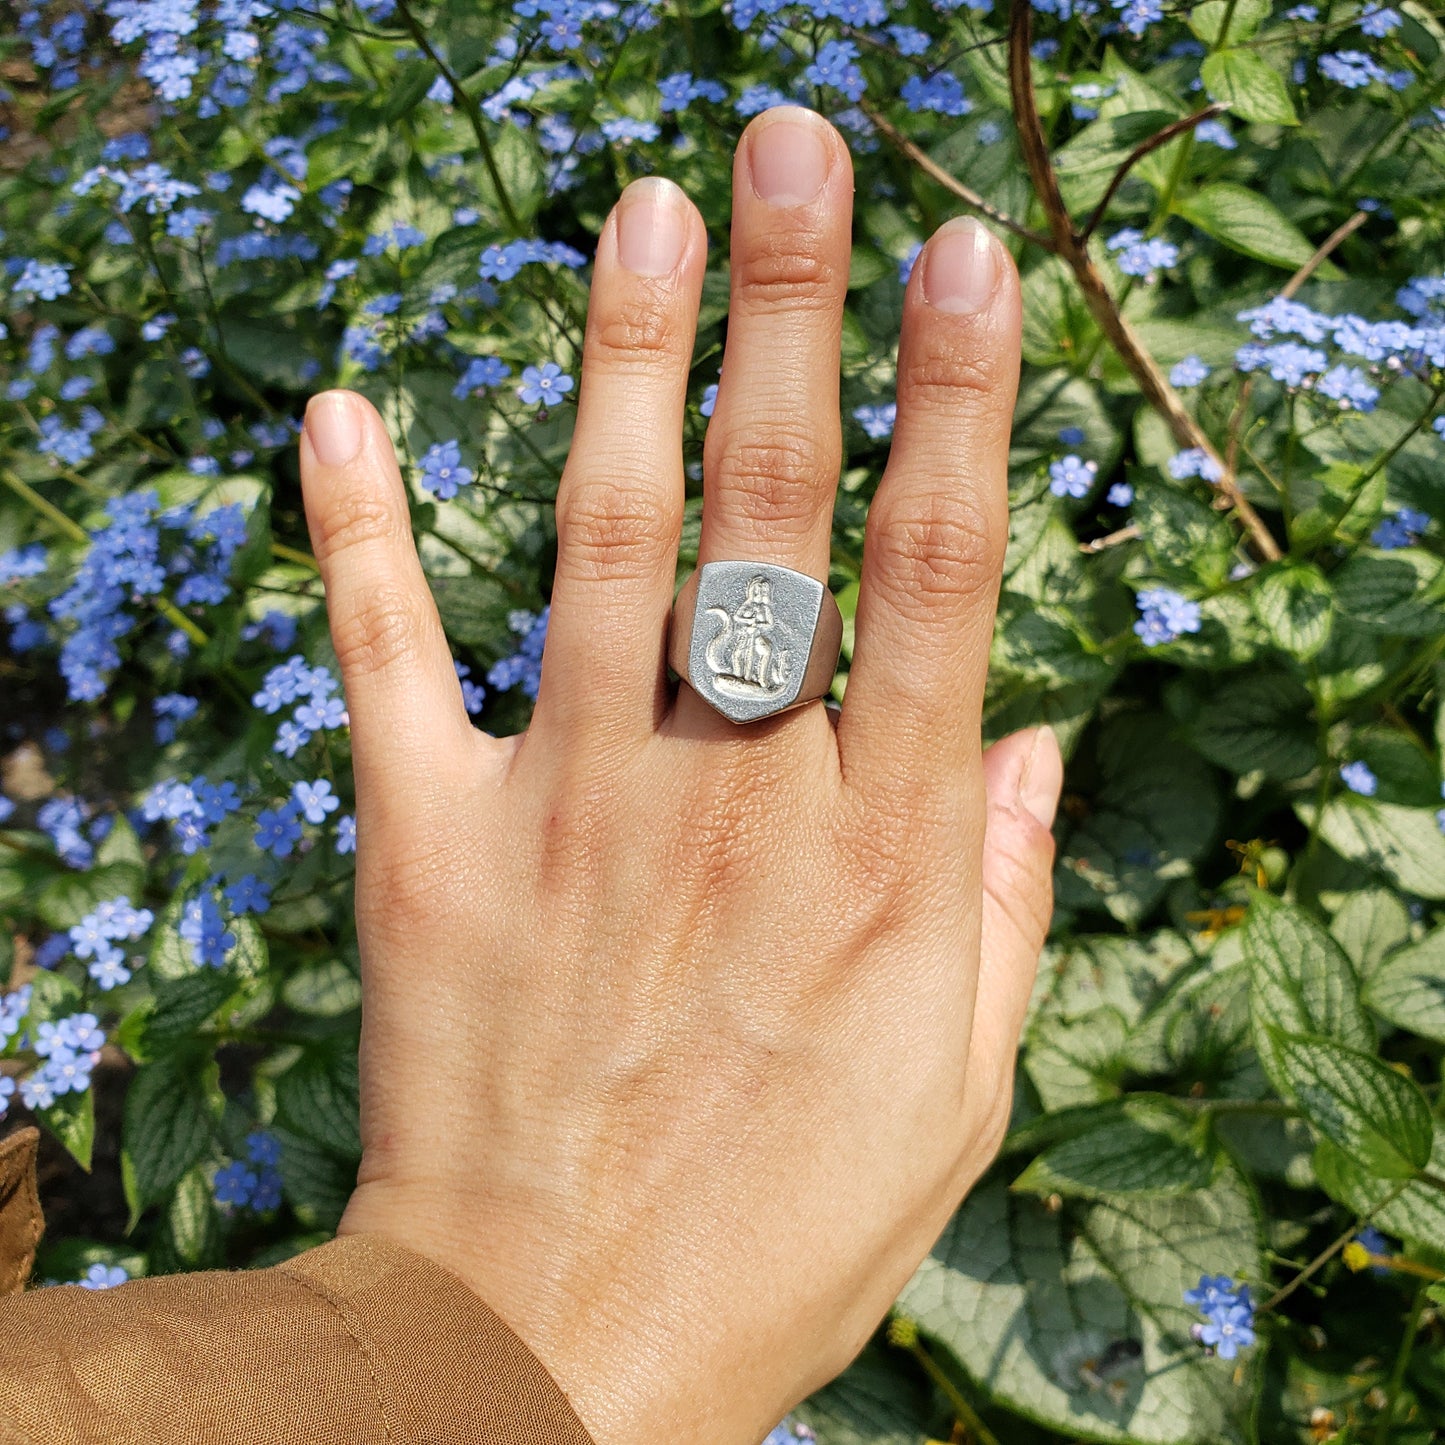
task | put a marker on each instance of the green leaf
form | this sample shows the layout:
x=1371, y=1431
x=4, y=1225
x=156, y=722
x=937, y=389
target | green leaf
x=319, y=1097
x=1300, y=983
x=316, y=1182
x=183, y=1003
x=1415, y=1211
x=881, y=1399
x=1402, y=593
x=1087, y=162
x=1152, y=814
x=407, y=89
x=1294, y=603
x=190, y=1233
x=324, y=990
x=1142, y=1146
x=71, y=1118
x=1370, y=924
x=1405, y=844
x=1256, y=722
x=1252, y=88
x=1245, y=17
x=66, y=899
x=1247, y=223
x=169, y=1123
x=1408, y=988
x=1182, y=533
x=1357, y=1102
x=1029, y=1300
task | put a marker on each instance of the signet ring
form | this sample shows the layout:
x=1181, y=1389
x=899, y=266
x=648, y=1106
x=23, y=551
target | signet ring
x=752, y=639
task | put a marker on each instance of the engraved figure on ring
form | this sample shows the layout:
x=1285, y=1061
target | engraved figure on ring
x=743, y=657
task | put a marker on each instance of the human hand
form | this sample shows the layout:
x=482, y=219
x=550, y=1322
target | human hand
x=681, y=1040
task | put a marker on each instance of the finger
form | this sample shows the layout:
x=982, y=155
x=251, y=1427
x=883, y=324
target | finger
x=1022, y=776
x=774, y=444
x=619, y=508
x=407, y=718
x=939, y=523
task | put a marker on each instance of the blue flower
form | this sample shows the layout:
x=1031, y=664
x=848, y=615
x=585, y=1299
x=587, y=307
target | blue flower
x=1189, y=371
x=205, y=930
x=1141, y=255
x=234, y=1185
x=103, y=1276
x=44, y=280
x=835, y=68
x=1071, y=476
x=877, y=421
x=482, y=374
x=1349, y=386
x=543, y=385
x=273, y=201
x=1165, y=616
x=1136, y=16
x=346, y=834
x=1401, y=530
x=442, y=472
x=1215, y=133
x=625, y=129
x=315, y=800
x=1377, y=21
x=1358, y=778
x=1351, y=68
x=941, y=92
x=248, y=894
x=709, y=399
x=1120, y=494
x=1228, y=1329
x=524, y=667
x=1195, y=462
x=277, y=830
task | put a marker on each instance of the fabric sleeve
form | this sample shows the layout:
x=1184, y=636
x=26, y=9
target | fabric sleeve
x=355, y=1342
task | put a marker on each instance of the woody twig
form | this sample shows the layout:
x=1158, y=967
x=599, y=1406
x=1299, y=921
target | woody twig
x=1072, y=249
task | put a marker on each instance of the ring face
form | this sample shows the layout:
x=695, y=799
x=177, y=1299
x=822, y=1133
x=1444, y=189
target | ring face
x=753, y=631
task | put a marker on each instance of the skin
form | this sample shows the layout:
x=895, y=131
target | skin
x=682, y=1041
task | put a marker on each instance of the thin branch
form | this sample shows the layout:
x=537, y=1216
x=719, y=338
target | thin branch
x=1162, y=138
x=966, y=194
x=1153, y=384
x=1114, y=539
x=470, y=109
x=1340, y=234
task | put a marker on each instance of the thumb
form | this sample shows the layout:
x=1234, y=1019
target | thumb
x=1022, y=774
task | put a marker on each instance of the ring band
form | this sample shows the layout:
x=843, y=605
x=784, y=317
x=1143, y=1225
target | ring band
x=753, y=639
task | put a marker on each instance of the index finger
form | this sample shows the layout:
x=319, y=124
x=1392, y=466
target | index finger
x=938, y=526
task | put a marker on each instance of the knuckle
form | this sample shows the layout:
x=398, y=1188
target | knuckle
x=940, y=545
x=353, y=518
x=938, y=380
x=637, y=335
x=384, y=624
x=612, y=531
x=786, y=270
x=779, y=480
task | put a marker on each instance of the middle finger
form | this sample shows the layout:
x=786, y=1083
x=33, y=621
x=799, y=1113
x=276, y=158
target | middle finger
x=774, y=445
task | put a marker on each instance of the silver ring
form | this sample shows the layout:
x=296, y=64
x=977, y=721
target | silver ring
x=752, y=639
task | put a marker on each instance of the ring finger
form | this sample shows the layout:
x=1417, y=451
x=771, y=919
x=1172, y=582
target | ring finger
x=774, y=444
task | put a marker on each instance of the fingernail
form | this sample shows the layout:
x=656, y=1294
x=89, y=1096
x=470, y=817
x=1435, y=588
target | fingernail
x=789, y=156
x=1042, y=777
x=334, y=428
x=962, y=267
x=651, y=227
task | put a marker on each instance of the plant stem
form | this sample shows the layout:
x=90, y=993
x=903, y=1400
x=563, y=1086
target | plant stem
x=1385, y=1428
x=961, y=1407
x=470, y=108
x=48, y=510
x=294, y=554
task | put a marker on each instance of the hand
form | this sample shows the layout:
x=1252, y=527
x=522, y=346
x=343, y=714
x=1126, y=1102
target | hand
x=682, y=1041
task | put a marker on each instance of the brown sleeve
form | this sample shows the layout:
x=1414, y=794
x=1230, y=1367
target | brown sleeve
x=359, y=1342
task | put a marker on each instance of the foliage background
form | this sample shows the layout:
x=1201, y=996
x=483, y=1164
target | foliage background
x=1226, y=593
